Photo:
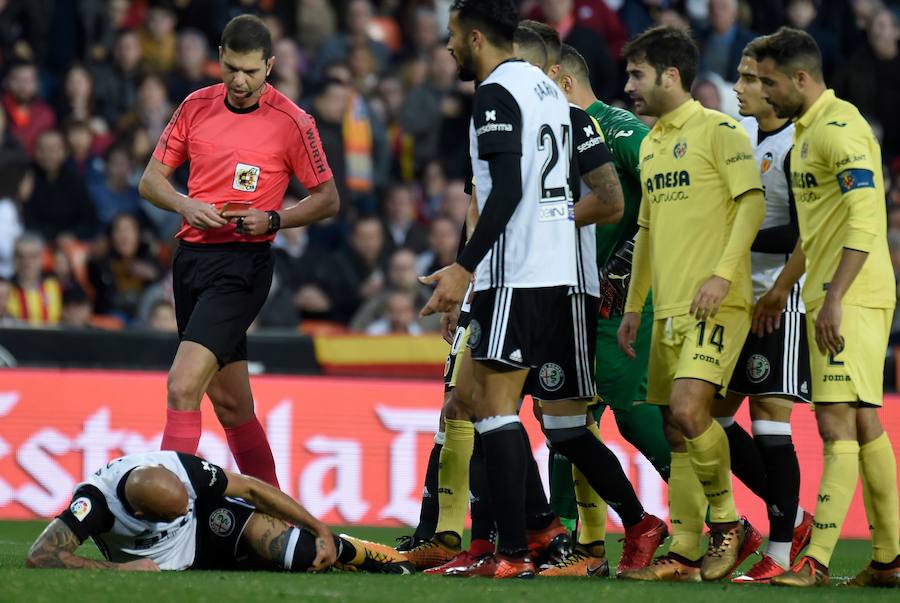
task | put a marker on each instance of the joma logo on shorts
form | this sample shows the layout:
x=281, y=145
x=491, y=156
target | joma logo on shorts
x=705, y=358
x=827, y=378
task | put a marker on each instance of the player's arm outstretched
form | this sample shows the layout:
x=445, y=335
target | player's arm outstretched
x=55, y=549
x=272, y=501
x=502, y=150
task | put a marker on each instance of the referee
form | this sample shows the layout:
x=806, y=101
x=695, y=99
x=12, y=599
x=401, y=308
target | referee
x=244, y=141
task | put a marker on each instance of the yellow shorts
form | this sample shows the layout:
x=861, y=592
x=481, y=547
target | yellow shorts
x=683, y=347
x=857, y=372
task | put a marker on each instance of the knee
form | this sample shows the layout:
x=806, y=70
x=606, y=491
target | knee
x=182, y=393
x=688, y=418
x=868, y=425
x=835, y=427
x=231, y=410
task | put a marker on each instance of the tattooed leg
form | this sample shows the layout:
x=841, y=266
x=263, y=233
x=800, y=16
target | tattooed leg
x=279, y=545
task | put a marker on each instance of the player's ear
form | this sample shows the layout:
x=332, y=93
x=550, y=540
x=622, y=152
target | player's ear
x=269, y=64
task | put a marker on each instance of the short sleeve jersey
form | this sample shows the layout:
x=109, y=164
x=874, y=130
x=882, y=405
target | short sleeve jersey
x=590, y=153
x=518, y=110
x=694, y=163
x=839, y=191
x=99, y=510
x=241, y=154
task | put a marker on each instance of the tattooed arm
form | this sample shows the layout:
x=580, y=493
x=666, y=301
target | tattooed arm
x=55, y=548
x=272, y=501
x=604, y=204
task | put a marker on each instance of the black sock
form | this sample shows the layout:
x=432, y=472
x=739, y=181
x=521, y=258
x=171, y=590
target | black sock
x=604, y=473
x=783, y=473
x=504, y=454
x=480, y=504
x=538, y=514
x=428, y=513
x=746, y=461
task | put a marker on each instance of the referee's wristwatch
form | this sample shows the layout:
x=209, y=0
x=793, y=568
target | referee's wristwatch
x=274, y=221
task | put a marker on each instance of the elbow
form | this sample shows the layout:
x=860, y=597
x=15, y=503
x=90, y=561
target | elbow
x=333, y=205
x=144, y=186
x=617, y=211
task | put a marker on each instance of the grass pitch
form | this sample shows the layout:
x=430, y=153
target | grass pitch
x=18, y=584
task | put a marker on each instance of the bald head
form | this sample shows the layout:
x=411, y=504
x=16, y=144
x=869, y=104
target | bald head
x=155, y=493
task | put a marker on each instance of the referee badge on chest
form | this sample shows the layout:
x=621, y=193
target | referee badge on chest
x=246, y=177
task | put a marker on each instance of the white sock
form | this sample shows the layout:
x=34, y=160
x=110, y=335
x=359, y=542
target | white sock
x=780, y=553
x=799, y=519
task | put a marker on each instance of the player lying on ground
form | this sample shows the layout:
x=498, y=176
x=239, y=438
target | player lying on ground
x=173, y=511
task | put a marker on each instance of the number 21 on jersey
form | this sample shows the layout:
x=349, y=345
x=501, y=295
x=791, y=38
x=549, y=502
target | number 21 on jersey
x=555, y=189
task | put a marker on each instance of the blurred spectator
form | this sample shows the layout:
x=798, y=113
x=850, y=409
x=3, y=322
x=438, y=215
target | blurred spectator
x=400, y=226
x=336, y=49
x=60, y=202
x=443, y=246
x=853, y=26
x=353, y=275
x=802, y=14
x=399, y=316
x=294, y=292
x=870, y=78
x=23, y=31
x=81, y=156
x=401, y=276
x=15, y=187
x=76, y=309
x=328, y=108
x=426, y=108
x=6, y=290
x=162, y=317
x=708, y=94
x=604, y=73
x=455, y=203
x=115, y=82
x=190, y=71
x=116, y=194
x=36, y=298
x=316, y=22
x=432, y=186
x=423, y=33
x=152, y=108
x=75, y=102
x=28, y=115
x=288, y=63
x=158, y=41
x=122, y=274
x=722, y=44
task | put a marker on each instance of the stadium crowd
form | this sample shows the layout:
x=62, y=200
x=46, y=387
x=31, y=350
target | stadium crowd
x=88, y=87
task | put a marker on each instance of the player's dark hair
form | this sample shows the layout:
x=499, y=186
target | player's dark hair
x=247, y=33
x=665, y=46
x=573, y=62
x=496, y=19
x=530, y=46
x=549, y=35
x=790, y=49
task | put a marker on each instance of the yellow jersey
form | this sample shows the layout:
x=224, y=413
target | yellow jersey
x=694, y=163
x=839, y=191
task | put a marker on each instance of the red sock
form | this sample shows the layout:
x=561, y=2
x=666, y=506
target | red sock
x=251, y=450
x=182, y=432
x=479, y=547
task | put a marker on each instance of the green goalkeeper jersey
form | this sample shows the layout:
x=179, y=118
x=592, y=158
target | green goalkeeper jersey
x=623, y=133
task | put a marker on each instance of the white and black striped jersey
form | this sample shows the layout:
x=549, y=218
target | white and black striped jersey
x=772, y=150
x=100, y=510
x=588, y=153
x=518, y=109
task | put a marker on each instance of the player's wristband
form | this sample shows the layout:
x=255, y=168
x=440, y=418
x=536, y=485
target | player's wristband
x=274, y=221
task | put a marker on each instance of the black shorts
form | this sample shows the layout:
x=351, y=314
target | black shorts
x=220, y=525
x=777, y=364
x=219, y=289
x=544, y=329
x=455, y=348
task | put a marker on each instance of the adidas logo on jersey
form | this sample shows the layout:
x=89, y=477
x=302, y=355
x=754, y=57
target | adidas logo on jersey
x=804, y=388
x=516, y=356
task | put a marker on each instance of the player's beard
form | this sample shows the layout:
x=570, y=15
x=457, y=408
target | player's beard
x=465, y=68
x=790, y=107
